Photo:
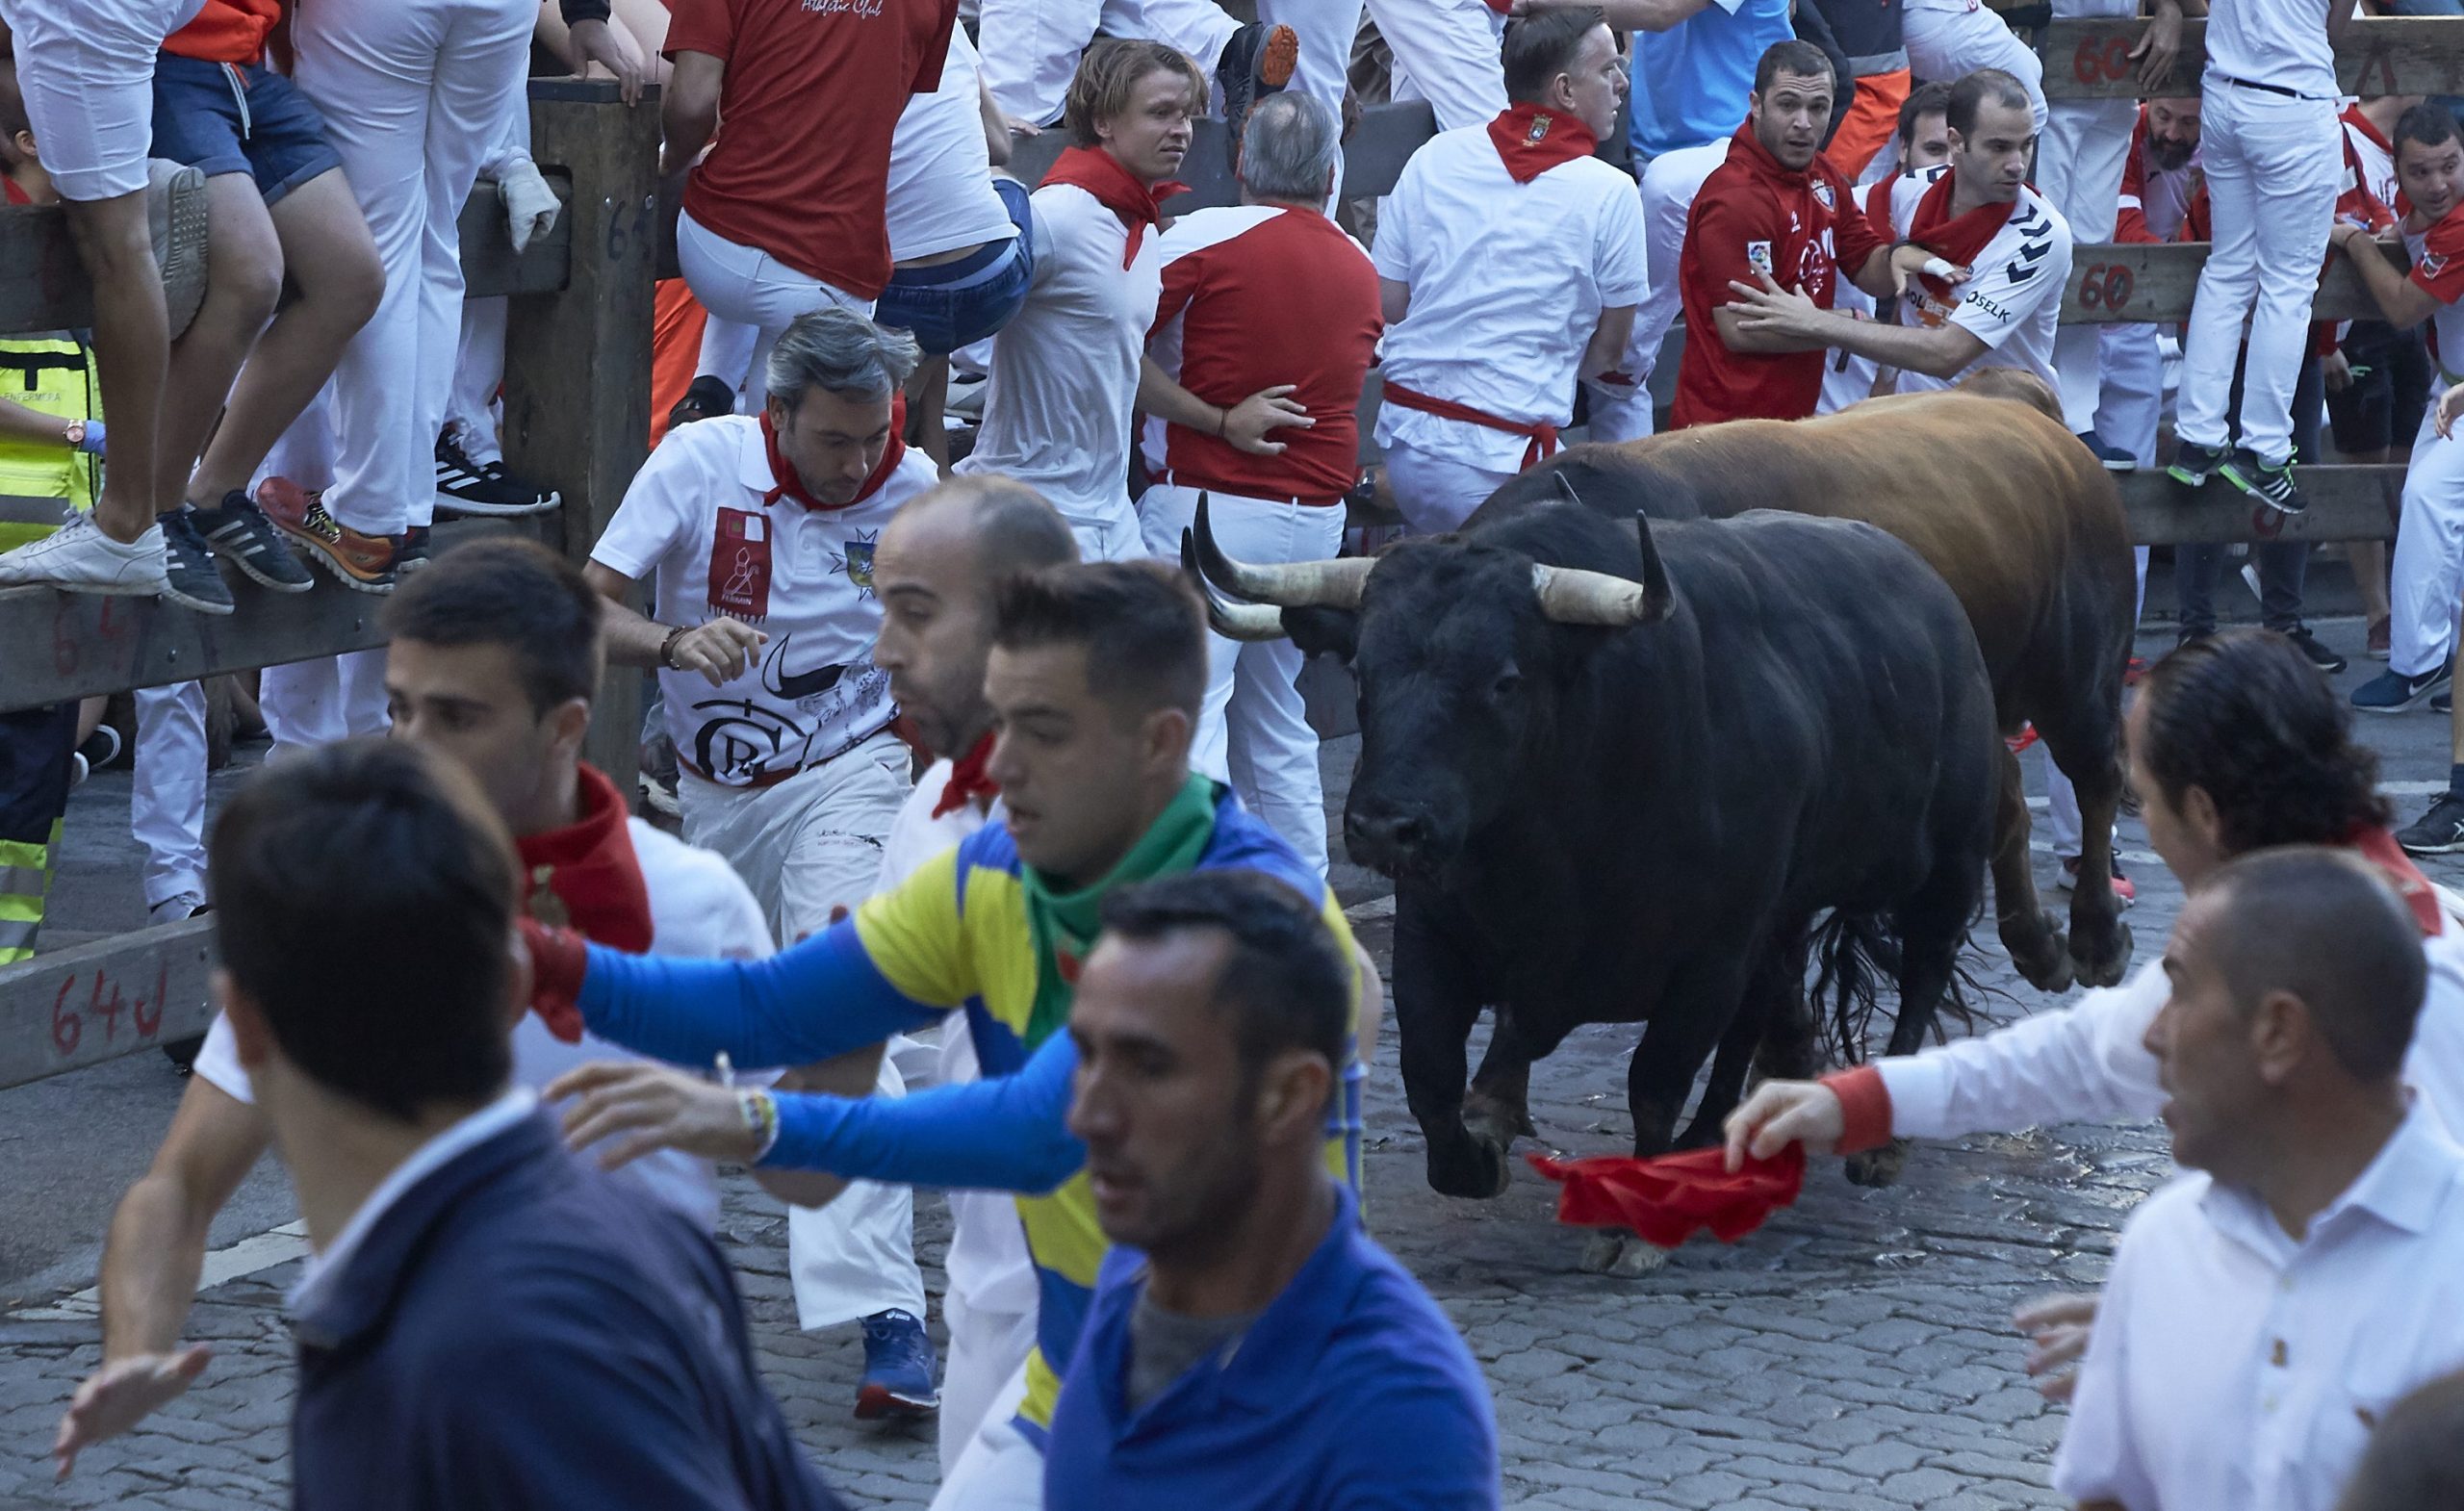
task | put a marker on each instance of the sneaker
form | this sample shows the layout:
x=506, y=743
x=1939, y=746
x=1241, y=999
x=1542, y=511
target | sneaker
x=468, y=487
x=2268, y=483
x=410, y=549
x=1256, y=63
x=78, y=557
x=2124, y=892
x=2191, y=637
x=2192, y=462
x=240, y=534
x=180, y=1052
x=709, y=399
x=194, y=584
x=2443, y=703
x=2114, y=457
x=2312, y=650
x=100, y=750
x=365, y=563
x=898, y=1367
x=2440, y=832
x=2393, y=692
x=2382, y=640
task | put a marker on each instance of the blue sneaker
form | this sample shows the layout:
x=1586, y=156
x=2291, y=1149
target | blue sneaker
x=2393, y=692
x=2114, y=457
x=898, y=1368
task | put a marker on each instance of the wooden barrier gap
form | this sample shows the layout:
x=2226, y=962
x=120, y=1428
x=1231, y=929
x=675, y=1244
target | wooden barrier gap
x=2090, y=60
x=97, y=1001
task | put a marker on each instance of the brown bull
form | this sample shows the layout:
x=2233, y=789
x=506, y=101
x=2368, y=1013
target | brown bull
x=2027, y=529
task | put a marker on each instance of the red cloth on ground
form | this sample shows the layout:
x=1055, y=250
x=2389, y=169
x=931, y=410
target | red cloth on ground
x=1664, y=1199
x=1532, y=139
x=1116, y=189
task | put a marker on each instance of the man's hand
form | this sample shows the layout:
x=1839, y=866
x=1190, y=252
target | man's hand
x=1782, y=1113
x=1246, y=423
x=595, y=42
x=2158, y=46
x=2059, y=1327
x=531, y=206
x=1770, y=310
x=1909, y=263
x=719, y=649
x=2450, y=405
x=2335, y=372
x=1021, y=128
x=119, y=1395
x=645, y=1107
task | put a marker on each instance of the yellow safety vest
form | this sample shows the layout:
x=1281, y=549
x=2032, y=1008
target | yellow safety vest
x=41, y=481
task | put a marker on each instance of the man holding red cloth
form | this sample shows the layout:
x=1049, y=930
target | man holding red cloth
x=1775, y=209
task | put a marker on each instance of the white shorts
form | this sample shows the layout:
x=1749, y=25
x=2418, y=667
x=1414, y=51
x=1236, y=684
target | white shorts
x=85, y=68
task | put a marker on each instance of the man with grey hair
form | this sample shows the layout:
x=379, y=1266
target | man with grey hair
x=759, y=531
x=1266, y=327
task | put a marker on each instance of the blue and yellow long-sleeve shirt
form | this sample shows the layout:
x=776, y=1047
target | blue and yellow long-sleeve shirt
x=955, y=934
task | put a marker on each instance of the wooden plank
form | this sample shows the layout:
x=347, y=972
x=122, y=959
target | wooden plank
x=2345, y=503
x=95, y=1002
x=2088, y=60
x=577, y=362
x=2112, y=283
x=48, y=288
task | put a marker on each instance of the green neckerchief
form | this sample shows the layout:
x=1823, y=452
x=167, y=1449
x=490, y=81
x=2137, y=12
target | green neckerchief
x=1066, y=922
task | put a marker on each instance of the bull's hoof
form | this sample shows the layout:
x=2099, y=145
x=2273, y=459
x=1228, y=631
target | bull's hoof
x=2103, y=967
x=1878, y=1167
x=1478, y=1168
x=2046, y=964
x=1609, y=1252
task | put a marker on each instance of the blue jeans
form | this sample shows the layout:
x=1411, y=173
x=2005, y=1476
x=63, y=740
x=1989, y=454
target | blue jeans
x=956, y=304
x=220, y=118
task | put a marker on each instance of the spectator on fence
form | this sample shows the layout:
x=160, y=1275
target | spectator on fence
x=494, y=664
x=1923, y=140
x=2269, y=141
x=1212, y=1021
x=1264, y=333
x=465, y=1269
x=2379, y=379
x=1510, y=261
x=757, y=533
x=1949, y=40
x=2416, y=1455
x=786, y=212
x=2264, y=1314
x=1065, y=375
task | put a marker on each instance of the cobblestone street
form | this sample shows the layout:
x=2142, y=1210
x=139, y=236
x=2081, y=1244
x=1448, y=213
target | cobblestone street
x=1856, y=1353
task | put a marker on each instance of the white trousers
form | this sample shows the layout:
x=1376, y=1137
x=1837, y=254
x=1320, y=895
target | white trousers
x=1252, y=728
x=2428, y=573
x=747, y=284
x=86, y=69
x=2272, y=169
x=1445, y=52
x=1110, y=537
x=1947, y=44
x=2079, y=164
x=1031, y=47
x=166, y=803
x=478, y=372
x=987, y=1352
x=323, y=702
x=999, y=1470
x=412, y=95
x=857, y=1256
x=1437, y=494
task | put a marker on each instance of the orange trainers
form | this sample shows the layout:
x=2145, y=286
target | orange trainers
x=364, y=563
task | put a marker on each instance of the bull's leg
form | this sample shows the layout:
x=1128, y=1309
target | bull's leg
x=1498, y=1107
x=2030, y=933
x=1773, y=1018
x=1931, y=926
x=1436, y=1002
x=2100, y=940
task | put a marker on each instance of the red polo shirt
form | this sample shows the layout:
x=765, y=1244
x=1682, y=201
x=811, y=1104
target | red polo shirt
x=812, y=92
x=1753, y=216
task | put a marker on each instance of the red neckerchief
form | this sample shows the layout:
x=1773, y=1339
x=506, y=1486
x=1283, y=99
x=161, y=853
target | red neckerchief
x=17, y=196
x=2379, y=847
x=968, y=782
x=787, y=484
x=1532, y=139
x=585, y=876
x=1958, y=239
x=1116, y=189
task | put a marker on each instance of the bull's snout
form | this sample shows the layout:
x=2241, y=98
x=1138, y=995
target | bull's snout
x=1387, y=839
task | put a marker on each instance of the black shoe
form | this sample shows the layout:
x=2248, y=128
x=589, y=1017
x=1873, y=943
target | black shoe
x=100, y=751
x=240, y=534
x=707, y=398
x=2443, y=703
x=189, y=565
x=468, y=487
x=2268, y=483
x=2439, y=831
x=1256, y=63
x=2191, y=637
x=2318, y=655
x=2192, y=462
x=410, y=551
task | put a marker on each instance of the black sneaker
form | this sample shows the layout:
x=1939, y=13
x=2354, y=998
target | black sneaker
x=410, y=549
x=240, y=534
x=707, y=398
x=2113, y=458
x=2443, y=703
x=468, y=487
x=2393, y=692
x=2440, y=832
x=194, y=585
x=2192, y=462
x=2268, y=483
x=2314, y=652
x=1256, y=63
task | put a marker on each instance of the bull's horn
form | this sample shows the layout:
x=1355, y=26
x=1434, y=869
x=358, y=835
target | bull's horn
x=1570, y=596
x=1300, y=584
x=1243, y=620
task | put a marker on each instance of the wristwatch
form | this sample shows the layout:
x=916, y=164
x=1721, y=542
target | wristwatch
x=74, y=433
x=667, y=648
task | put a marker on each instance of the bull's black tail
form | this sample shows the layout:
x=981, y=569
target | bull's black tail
x=1854, y=955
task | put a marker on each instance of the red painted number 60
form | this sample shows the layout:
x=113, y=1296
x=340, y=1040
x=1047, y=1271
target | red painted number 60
x=2097, y=60
x=2106, y=286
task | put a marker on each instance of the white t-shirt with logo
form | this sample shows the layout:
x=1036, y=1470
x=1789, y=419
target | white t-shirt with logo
x=696, y=520
x=2013, y=301
x=940, y=172
x=699, y=909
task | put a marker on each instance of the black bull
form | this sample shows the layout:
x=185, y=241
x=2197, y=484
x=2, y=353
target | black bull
x=1628, y=791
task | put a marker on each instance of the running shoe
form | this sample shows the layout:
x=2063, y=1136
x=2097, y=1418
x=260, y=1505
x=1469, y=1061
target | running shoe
x=2269, y=482
x=2393, y=692
x=78, y=557
x=2440, y=832
x=898, y=1367
x=2193, y=463
x=189, y=563
x=1256, y=63
x=362, y=563
x=468, y=487
x=239, y=532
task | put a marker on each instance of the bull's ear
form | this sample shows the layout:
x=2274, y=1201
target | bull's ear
x=1659, y=599
x=1324, y=631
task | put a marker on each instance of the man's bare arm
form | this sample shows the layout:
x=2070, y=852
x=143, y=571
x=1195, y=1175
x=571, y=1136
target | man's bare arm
x=1605, y=351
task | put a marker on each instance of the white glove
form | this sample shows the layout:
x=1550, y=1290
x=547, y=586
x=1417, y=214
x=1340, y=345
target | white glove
x=531, y=206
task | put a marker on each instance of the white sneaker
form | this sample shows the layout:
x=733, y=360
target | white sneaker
x=78, y=557
x=175, y=908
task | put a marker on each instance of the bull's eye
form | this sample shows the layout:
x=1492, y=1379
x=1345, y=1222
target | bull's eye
x=1509, y=683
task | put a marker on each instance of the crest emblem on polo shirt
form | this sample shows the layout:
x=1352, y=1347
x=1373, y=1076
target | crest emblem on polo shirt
x=856, y=559
x=1539, y=128
x=2432, y=263
x=1822, y=194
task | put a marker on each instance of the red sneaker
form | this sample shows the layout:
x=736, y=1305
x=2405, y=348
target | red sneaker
x=365, y=563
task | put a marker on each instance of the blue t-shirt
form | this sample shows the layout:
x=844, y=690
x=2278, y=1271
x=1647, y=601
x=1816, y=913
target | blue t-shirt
x=1351, y=1392
x=1691, y=81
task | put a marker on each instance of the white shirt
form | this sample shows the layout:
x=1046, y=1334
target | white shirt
x=2014, y=302
x=813, y=691
x=2234, y=1365
x=940, y=172
x=1670, y=183
x=2283, y=42
x=1065, y=370
x=699, y=909
x=1508, y=284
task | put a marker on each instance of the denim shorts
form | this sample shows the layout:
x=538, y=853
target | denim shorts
x=958, y=303
x=239, y=118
